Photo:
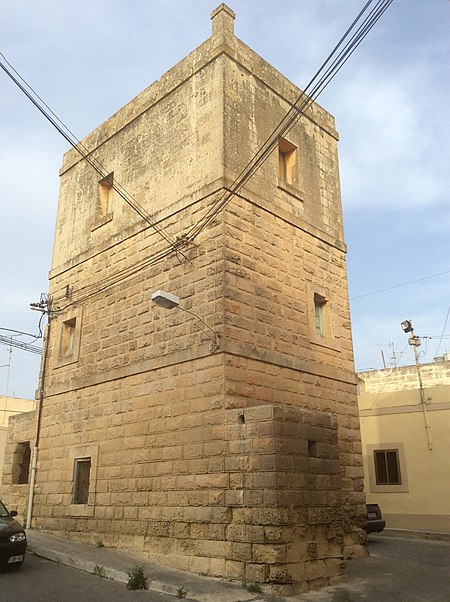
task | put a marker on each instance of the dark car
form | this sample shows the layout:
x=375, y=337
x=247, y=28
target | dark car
x=375, y=522
x=13, y=541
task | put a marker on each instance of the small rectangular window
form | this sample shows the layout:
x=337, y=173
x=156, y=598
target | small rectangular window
x=313, y=449
x=82, y=470
x=319, y=314
x=387, y=467
x=67, y=344
x=286, y=160
x=21, y=463
x=104, y=198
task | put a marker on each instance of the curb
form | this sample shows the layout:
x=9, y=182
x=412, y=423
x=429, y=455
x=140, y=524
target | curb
x=77, y=563
x=412, y=534
x=88, y=566
x=155, y=585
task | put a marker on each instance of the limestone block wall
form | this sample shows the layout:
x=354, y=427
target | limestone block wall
x=21, y=429
x=249, y=494
x=285, y=495
x=272, y=267
x=405, y=378
x=313, y=194
x=153, y=443
x=162, y=148
x=244, y=461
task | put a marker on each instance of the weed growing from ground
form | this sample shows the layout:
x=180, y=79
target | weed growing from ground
x=253, y=588
x=99, y=571
x=137, y=579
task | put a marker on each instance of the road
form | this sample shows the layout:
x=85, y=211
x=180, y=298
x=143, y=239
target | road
x=40, y=580
x=397, y=570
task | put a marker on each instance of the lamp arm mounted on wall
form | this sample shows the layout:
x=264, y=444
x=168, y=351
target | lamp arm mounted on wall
x=170, y=301
x=214, y=337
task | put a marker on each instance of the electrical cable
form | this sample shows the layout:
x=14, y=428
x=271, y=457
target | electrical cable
x=389, y=288
x=59, y=125
x=299, y=108
x=117, y=277
x=19, y=332
x=443, y=331
x=10, y=342
x=385, y=382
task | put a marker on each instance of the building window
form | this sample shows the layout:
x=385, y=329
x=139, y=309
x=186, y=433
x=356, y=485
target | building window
x=323, y=322
x=67, y=345
x=82, y=471
x=82, y=462
x=387, y=467
x=103, y=208
x=286, y=160
x=105, y=192
x=319, y=314
x=21, y=463
x=68, y=337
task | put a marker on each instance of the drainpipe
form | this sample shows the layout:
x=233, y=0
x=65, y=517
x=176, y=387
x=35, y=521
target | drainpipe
x=38, y=425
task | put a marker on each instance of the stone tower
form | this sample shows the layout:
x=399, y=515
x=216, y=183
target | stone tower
x=223, y=439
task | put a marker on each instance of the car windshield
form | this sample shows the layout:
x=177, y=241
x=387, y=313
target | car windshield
x=3, y=510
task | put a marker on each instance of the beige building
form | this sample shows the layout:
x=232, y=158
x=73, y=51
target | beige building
x=223, y=439
x=406, y=445
x=10, y=406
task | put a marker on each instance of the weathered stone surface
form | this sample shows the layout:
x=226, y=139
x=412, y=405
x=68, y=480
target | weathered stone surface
x=231, y=461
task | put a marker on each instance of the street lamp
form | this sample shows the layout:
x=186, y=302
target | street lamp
x=407, y=326
x=170, y=301
x=166, y=300
x=415, y=342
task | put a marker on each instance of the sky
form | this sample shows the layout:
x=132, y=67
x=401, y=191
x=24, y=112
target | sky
x=88, y=59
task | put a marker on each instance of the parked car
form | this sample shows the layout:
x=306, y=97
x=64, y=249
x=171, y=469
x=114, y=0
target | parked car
x=375, y=522
x=13, y=541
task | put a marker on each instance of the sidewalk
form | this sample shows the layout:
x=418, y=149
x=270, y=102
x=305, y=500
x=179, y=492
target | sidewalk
x=115, y=565
x=363, y=581
x=416, y=534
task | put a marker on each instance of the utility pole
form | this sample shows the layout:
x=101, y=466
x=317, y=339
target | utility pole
x=45, y=307
x=415, y=342
x=394, y=355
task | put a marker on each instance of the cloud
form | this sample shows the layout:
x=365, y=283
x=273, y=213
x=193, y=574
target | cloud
x=392, y=154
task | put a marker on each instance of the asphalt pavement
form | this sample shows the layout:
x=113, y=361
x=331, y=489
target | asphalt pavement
x=408, y=568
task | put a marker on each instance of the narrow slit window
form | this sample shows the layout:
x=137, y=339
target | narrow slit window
x=286, y=160
x=313, y=449
x=105, y=194
x=319, y=314
x=67, y=345
x=82, y=471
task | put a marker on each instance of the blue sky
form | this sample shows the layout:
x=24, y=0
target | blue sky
x=87, y=59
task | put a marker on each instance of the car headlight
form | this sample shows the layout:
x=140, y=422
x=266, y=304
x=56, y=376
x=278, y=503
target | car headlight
x=17, y=537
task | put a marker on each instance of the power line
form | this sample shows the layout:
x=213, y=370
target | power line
x=443, y=331
x=85, y=153
x=317, y=84
x=389, y=288
x=10, y=342
x=19, y=332
x=329, y=69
